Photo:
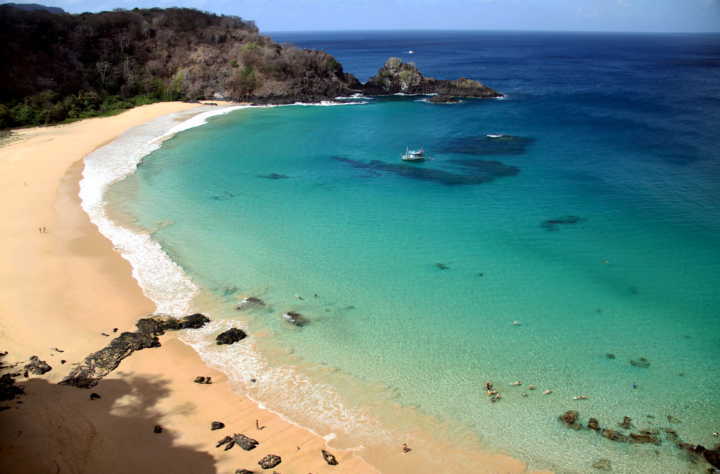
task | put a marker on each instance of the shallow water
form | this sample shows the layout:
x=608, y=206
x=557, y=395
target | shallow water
x=420, y=270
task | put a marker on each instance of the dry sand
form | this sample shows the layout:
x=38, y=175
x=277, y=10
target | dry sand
x=63, y=288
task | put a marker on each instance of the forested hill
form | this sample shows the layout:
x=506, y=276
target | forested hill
x=58, y=66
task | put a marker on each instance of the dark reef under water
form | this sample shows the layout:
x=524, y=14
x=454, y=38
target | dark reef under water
x=478, y=171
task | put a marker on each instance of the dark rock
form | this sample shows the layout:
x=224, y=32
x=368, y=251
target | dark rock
x=593, y=424
x=98, y=364
x=444, y=99
x=398, y=77
x=672, y=419
x=712, y=456
x=248, y=444
x=442, y=266
x=95, y=396
x=57, y=350
x=8, y=389
x=610, y=356
x=626, y=423
x=217, y=425
x=273, y=176
x=157, y=429
x=250, y=302
x=203, y=380
x=270, y=461
x=671, y=434
x=642, y=362
x=37, y=366
x=552, y=224
x=296, y=319
x=602, y=465
x=225, y=440
x=231, y=336
x=644, y=437
x=63, y=361
x=244, y=471
x=329, y=458
x=570, y=418
x=613, y=435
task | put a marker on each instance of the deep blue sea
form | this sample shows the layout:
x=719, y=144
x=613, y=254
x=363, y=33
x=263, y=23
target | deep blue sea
x=586, y=236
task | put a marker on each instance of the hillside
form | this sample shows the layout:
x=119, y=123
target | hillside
x=62, y=66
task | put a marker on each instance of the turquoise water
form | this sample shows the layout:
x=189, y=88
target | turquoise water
x=355, y=247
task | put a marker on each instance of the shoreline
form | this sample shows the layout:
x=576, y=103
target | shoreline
x=63, y=289
x=173, y=365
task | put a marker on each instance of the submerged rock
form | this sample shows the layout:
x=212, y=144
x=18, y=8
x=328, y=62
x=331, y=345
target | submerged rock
x=570, y=419
x=644, y=437
x=98, y=364
x=641, y=362
x=613, y=435
x=626, y=423
x=296, y=319
x=231, y=336
x=602, y=465
x=250, y=302
x=329, y=458
x=273, y=176
x=270, y=461
x=593, y=424
x=37, y=366
x=553, y=224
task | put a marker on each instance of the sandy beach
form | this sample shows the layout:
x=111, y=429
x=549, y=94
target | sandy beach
x=65, y=290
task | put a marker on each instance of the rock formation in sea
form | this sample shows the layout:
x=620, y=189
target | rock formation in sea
x=231, y=336
x=398, y=77
x=98, y=364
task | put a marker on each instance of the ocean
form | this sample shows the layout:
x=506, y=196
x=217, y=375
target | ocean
x=574, y=250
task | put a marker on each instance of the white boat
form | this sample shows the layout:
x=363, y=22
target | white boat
x=495, y=135
x=413, y=155
x=411, y=52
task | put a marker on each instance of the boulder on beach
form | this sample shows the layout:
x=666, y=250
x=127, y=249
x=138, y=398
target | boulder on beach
x=98, y=364
x=231, y=336
x=217, y=425
x=37, y=366
x=270, y=461
x=329, y=458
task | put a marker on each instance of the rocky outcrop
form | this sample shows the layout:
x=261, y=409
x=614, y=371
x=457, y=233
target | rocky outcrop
x=37, y=366
x=270, y=461
x=8, y=389
x=231, y=336
x=98, y=364
x=397, y=77
x=329, y=458
x=246, y=443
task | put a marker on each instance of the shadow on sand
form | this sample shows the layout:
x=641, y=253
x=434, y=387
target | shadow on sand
x=59, y=429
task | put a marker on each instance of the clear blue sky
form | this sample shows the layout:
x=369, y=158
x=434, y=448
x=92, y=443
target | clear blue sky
x=572, y=15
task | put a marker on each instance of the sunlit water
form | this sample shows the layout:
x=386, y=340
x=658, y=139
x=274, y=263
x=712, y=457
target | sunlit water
x=423, y=281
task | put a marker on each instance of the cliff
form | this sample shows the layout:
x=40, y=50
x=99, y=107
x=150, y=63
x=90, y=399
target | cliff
x=58, y=66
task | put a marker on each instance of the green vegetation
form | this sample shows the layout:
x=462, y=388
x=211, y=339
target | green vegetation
x=59, y=67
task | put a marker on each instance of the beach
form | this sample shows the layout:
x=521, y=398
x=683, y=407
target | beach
x=62, y=288
x=66, y=292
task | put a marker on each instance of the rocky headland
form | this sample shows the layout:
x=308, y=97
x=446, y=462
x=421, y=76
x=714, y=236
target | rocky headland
x=398, y=77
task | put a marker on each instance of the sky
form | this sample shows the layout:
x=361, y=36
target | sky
x=544, y=15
